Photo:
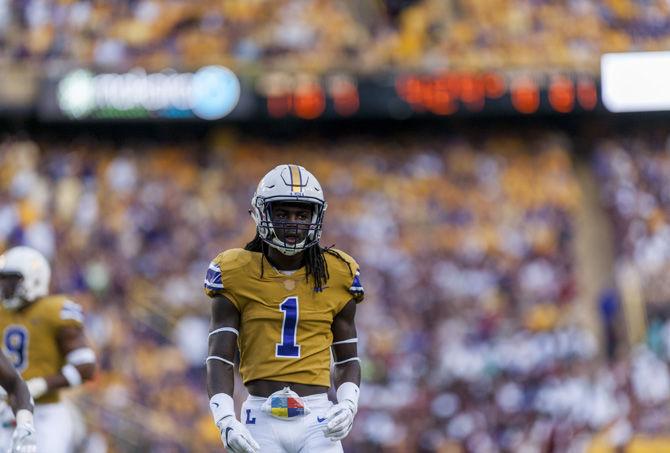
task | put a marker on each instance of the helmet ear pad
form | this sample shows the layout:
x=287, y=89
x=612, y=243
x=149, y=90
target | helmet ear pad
x=261, y=218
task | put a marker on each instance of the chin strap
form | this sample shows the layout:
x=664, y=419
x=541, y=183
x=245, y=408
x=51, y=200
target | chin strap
x=288, y=251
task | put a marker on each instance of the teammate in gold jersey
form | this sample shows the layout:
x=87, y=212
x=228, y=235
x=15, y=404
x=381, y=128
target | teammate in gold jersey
x=286, y=303
x=44, y=337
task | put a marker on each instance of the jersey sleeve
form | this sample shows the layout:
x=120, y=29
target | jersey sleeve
x=356, y=289
x=213, y=280
x=68, y=314
x=220, y=276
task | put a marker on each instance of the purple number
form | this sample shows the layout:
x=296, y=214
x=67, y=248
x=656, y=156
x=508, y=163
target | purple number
x=289, y=329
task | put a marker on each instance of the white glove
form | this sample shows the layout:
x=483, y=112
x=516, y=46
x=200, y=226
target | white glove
x=340, y=417
x=37, y=387
x=235, y=436
x=24, y=439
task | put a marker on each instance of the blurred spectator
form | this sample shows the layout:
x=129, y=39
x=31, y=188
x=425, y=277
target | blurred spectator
x=635, y=173
x=318, y=36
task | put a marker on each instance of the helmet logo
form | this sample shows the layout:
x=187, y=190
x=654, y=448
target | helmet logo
x=295, y=179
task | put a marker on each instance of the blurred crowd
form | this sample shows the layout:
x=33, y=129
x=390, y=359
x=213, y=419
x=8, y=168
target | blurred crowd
x=465, y=250
x=466, y=242
x=634, y=174
x=318, y=36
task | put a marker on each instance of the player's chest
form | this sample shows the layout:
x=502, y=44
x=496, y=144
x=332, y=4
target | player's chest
x=27, y=340
x=31, y=322
x=282, y=298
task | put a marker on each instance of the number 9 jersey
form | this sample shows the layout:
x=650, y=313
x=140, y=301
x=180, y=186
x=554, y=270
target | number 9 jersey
x=30, y=337
x=284, y=324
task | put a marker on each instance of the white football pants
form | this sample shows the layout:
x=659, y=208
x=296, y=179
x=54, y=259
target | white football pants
x=54, y=426
x=53, y=423
x=298, y=435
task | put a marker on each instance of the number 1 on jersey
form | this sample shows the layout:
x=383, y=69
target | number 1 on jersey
x=289, y=329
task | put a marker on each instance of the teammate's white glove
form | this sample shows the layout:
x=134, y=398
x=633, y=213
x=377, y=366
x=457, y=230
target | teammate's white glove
x=37, y=387
x=340, y=417
x=24, y=439
x=235, y=436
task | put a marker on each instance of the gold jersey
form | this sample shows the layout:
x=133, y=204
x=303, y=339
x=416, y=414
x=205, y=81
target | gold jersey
x=285, y=326
x=29, y=337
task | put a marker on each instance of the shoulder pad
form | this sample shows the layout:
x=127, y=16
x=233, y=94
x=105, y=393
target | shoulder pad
x=348, y=273
x=232, y=259
x=63, y=310
x=53, y=300
x=222, y=270
x=341, y=261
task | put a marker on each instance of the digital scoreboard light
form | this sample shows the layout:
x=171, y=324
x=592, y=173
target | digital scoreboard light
x=307, y=96
x=452, y=92
x=214, y=92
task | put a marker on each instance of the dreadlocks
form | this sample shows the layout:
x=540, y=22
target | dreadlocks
x=313, y=260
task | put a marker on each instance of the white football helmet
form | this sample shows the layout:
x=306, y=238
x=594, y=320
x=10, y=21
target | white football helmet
x=294, y=184
x=33, y=272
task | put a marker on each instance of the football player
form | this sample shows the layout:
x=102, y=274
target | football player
x=43, y=336
x=284, y=301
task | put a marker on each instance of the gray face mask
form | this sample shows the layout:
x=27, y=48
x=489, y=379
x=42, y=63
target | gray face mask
x=12, y=291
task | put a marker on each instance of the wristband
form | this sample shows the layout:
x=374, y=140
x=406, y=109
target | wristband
x=348, y=391
x=80, y=356
x=24, y=417
x=222, y=406
x=37, y=387
x=72, y=375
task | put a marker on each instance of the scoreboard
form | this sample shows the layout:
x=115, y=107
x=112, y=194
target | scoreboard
x=214, y=93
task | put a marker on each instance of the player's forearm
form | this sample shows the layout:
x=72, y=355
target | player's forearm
x=79, y=367
x=223, y=335
x=18, y=389
x=348, y=372
x=72, y=376
x=340, y=417
x=220, y=378
x=220, y=369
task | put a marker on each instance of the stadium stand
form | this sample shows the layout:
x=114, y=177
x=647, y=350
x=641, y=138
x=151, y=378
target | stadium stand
x=297, y=35
x=465, y=246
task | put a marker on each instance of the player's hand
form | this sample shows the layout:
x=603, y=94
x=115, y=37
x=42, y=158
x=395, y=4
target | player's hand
x=236, y=437
x=24, y=439
x=37, y=387
x=339, y=420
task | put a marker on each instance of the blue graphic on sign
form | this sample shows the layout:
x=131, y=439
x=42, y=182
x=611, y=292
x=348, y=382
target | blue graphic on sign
x=215, y=92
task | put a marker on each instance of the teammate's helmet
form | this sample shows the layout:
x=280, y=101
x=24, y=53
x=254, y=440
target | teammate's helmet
x=31, y=271
x=288, y=183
